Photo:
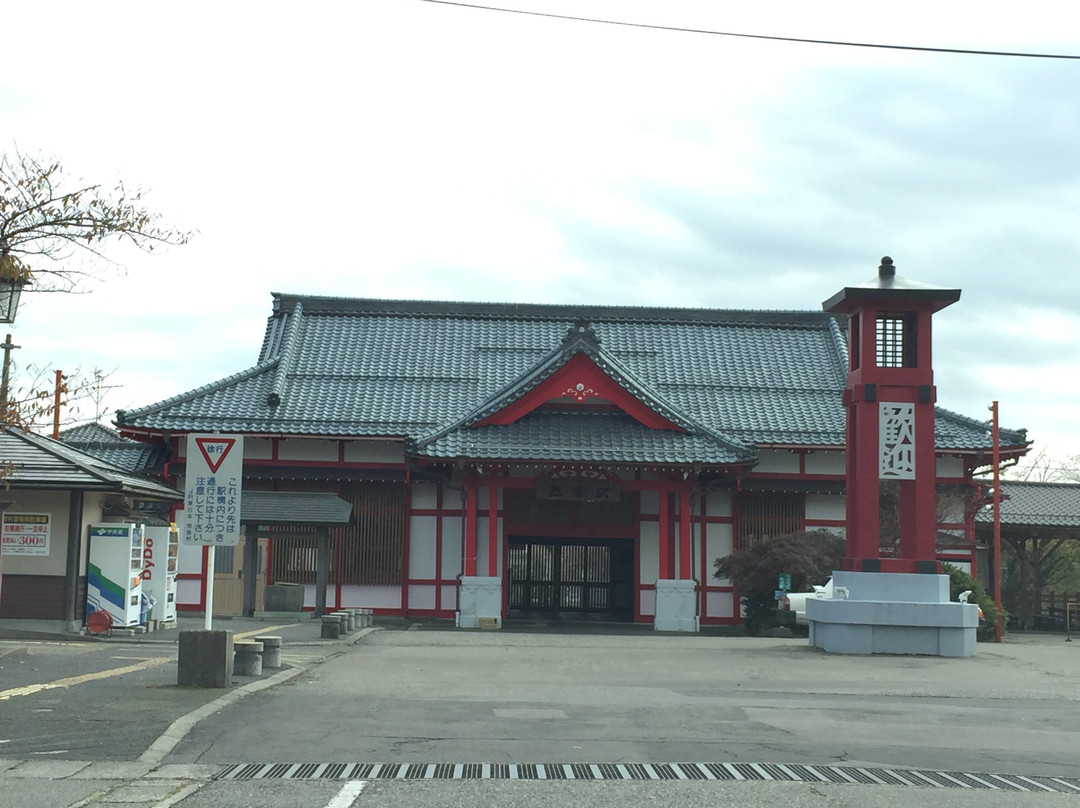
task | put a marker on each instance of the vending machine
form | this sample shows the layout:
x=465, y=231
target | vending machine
x=114, y=572
x=161, y=547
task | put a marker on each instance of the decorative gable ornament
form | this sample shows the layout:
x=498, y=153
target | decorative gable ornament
x=579, y=392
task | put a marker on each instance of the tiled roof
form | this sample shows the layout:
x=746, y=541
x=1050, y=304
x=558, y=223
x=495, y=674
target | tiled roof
x=344, y=367
x=305, y=508
x=1031, y=504
x=567, y=436
x=108, y=445
x=42, y=463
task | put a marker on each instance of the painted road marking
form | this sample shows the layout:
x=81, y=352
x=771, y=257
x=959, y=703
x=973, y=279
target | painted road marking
x=261, y=631
x=78, y=680
x=363, y=772
x=349, y=792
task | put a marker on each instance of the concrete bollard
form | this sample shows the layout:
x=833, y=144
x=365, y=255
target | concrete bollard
x=331, y=627
x=367, y=615
x=271, y=655
x=205, y=659
x=358, y=619
x=350, y=614
x=344, y=618
x=248, y=660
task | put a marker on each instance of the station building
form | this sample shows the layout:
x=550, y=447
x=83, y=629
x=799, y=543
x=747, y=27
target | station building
x=542, y=461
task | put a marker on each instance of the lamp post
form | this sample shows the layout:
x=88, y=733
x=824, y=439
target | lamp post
x=11, y=286
x=10, y=290
x=12, y=282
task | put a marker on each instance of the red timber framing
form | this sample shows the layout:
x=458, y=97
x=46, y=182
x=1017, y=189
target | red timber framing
x=678, y=556
x=675, y=535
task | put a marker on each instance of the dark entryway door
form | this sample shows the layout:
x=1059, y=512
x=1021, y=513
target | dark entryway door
x=572, y=578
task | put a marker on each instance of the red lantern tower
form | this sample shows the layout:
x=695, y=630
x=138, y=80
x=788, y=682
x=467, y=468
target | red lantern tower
x=890, y=397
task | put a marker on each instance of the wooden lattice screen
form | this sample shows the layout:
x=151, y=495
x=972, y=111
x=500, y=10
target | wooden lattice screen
x=763, y=514
x=367, y=552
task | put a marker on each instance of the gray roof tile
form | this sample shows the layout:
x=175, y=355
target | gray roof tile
x=43, y=463
x=1032, y=504
x=342, y=366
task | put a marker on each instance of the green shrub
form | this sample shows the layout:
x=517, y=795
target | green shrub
x=960, y=581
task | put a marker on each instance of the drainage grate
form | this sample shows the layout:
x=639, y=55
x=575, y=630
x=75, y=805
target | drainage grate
x=789, y=772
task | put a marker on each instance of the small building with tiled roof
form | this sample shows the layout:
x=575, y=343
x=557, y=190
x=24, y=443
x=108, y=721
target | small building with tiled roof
x=546, y=459
x=1036, y=520
x=135, y=457
x=1035, y=508
x=50, y=493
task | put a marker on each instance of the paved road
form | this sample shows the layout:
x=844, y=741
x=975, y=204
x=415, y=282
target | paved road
x=517, y=698
x=431, y=697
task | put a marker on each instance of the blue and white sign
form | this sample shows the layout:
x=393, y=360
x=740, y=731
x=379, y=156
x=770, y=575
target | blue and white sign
x=212, y=477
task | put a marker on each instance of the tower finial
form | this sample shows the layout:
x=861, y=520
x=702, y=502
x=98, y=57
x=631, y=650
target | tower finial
x=886, y=270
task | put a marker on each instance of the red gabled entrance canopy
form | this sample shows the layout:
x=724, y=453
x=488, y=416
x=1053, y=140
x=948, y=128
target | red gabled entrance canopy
x=577, y=383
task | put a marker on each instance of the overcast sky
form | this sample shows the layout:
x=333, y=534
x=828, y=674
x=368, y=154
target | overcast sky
x=407, y=149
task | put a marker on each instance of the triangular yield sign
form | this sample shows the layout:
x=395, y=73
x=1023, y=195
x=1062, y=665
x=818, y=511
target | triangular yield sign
x=215, y=450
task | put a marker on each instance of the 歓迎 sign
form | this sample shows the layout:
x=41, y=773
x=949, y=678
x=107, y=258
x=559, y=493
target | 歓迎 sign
x=25, y=534
x=212, y=477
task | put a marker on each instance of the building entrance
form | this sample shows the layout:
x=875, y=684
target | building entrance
x=571, y=578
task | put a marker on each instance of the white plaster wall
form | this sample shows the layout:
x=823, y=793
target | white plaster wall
x=449, y=597
x=483, y=543
x=422, y=597
x=452, y=542
x=361, y=597
x=190, y=559
x=649, y=552
x=825, y=506
x=720, y=604
x=950, y=467
x=425, y=496
x=776, y=461
x=826, y=463
x=307, y=449
x=422, y=561
x=648, y=602
x=187, y=592
x=718, y=543
x=374, y=451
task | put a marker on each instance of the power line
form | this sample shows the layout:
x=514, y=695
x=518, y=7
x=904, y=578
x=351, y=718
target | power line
x=677, y=29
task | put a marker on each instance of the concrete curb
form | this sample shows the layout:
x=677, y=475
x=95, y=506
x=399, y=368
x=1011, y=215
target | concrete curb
x=179, y=728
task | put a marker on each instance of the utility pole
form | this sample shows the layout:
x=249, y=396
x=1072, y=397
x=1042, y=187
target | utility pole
x=995, y=437
x=8, y=347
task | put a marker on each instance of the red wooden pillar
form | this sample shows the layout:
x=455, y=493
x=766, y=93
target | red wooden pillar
x=493, y=530
x=665, y=546
x=470, y=527
x=685, y=553
x=918, y=497
x=863, y=487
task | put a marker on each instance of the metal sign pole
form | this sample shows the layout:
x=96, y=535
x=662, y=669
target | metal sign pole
x=208, y=618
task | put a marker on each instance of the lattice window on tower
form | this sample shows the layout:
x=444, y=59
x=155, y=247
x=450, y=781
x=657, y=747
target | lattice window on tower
x=895, y=340
x=896, y=433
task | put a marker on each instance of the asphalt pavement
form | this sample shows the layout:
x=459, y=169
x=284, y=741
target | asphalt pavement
x=417, y=713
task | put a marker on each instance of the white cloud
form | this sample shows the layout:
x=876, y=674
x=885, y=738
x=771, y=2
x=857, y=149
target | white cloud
x=408, y=149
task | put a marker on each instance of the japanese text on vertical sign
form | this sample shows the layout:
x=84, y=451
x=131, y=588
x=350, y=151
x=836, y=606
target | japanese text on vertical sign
x=213, y=509
x=212, y=490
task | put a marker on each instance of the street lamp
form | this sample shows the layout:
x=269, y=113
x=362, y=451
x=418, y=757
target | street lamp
x=10, y=289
